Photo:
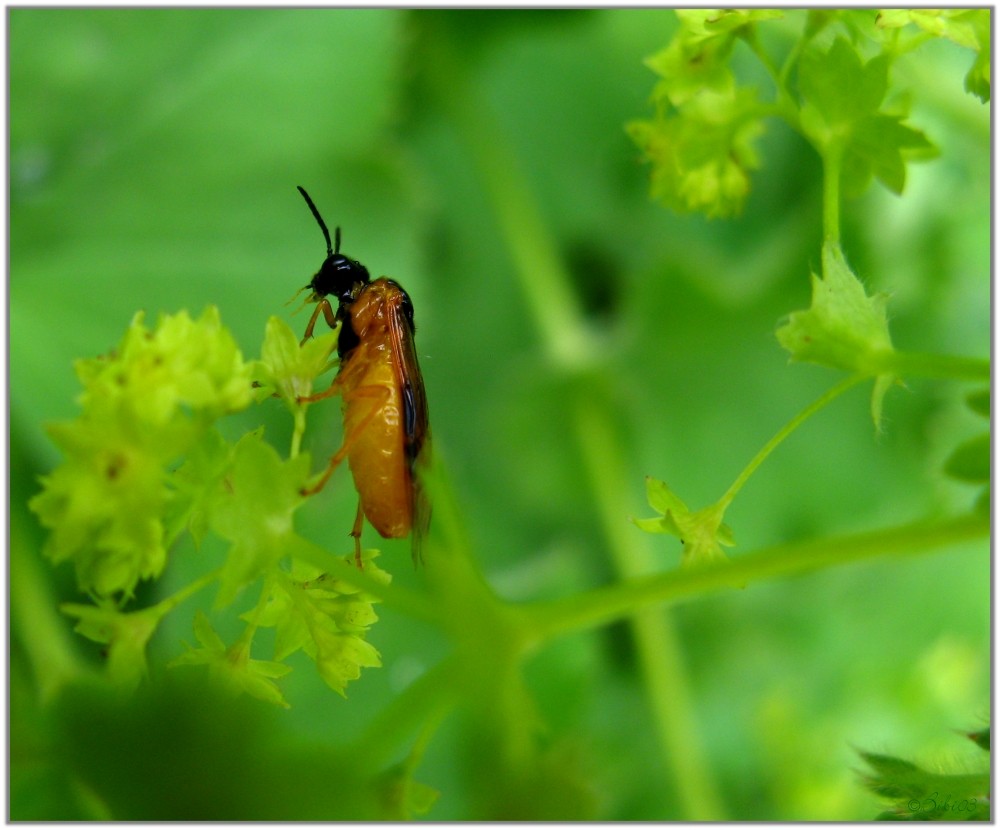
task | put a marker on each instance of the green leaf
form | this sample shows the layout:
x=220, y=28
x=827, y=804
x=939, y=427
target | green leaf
x=971, y=460
x=977, y=81
x=339, y=657
x=327, y=618
x=979, y=402
x=195, y=482
x=926, y=796
x=839, y=88
x=843, y=328
x=663, y=500
x=842, y=113
x=402, y=796
x=285, y=367
x=252, y=508
x=880, y=147
x=981, y=738
x=125, y=634
x=661, y=524
x=661, y=497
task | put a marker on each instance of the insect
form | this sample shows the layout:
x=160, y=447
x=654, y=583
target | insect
x=386, y=430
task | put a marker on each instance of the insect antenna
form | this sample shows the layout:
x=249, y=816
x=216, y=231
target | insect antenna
x=329, y=248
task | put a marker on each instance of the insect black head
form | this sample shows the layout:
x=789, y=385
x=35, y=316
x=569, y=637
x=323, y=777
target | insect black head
x=339, y=275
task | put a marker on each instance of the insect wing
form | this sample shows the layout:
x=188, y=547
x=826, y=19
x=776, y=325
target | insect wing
x=416, y=429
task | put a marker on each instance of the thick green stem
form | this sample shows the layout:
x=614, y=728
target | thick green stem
x=606, y=605
x=543, y=278
x=914, y=364
x=661, y=658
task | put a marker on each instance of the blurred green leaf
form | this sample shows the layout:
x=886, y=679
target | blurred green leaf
x=405, y=798
x=971, y=460
x=839, y=88
x=842, y=113
x=187, y=752
x=232, y=666
x=979, y=402
x=981, y=738
x=125, y=634
x=881, y=146
x=926, y=796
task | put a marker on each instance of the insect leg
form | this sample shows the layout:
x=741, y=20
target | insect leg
x=343, y=379
x=334, y=389
x=379, y=394
x=328, y=314
x=359, y=521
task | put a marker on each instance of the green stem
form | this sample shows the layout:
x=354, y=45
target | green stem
x=165, y=606
x=753, y=41
x=914, y=364
x=824, y=399
x=242, y=644
x=831, y=155
x=786, y=68
x=660, y=653
x=298, y=430
x=606, y=605
x=545, y=283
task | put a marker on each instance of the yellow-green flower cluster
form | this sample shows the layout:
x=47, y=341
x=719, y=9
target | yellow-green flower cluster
x=143, y=406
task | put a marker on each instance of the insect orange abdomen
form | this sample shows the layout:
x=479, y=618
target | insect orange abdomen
x=373, y=414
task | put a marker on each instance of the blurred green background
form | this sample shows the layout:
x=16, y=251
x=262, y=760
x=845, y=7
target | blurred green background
x=154, y=156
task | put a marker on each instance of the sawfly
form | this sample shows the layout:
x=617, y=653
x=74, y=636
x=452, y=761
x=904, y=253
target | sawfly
x=386, y=431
